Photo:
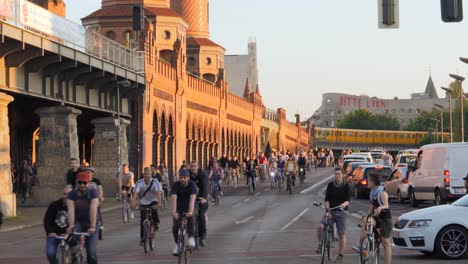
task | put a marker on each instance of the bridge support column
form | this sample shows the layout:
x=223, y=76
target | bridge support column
x=7, y=197
x=106, y=151
x=58, y=143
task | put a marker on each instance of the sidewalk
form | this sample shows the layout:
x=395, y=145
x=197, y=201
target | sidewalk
x=28, y=217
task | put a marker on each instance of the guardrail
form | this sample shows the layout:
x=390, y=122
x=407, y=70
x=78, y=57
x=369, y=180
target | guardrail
x=31, y=17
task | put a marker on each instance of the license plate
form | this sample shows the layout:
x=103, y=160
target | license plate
x=459, y=190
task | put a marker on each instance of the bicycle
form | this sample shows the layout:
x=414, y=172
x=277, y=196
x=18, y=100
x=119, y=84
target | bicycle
x=63, y=250
x=369, y=246
x=215, y=192
x=250, y=180
x=81, y=256
x=302, y=175
x=235, y=177
x=149, y=231
x=328, y=235
x=280, y=179
x=127, y=213
x=289, y=186
x=100, y=224
x=272, y=177
x=184, y=251
x=163, y=200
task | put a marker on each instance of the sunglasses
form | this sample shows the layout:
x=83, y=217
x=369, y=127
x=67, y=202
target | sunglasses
x=82, y=183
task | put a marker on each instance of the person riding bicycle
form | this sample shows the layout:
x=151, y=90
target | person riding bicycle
x=235, y=166
x=251, y=171
x=381, y=214
x=72, y=172
x=263, y=161
x=126, y=181
x=157, y=174
x=82, y=204
x=96, y=184
x=198, y=176
x=183, y=195
x=302, y=162
x=223, y=162
x=337, y=194
x=55, y=224
x=216, y=177
x=149, y=192
x=291, y=168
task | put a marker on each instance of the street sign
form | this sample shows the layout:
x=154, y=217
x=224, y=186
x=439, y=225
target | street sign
x=389, y=14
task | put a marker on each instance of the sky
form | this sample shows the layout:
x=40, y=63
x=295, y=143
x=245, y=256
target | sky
x=310, y=47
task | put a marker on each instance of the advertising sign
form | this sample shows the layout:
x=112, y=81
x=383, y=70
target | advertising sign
x=42, y=20
x=6, y=8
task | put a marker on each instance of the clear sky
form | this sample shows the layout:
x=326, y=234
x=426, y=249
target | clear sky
x=310, y=47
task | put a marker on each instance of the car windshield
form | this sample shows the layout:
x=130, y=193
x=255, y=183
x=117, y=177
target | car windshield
x=377, y=156
x=463, y=202
x=406, y=159
x=383, y=172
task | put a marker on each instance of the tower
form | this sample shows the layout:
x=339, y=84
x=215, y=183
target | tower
x=196, y=13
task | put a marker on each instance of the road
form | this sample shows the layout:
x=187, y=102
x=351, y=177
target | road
x=269, y=227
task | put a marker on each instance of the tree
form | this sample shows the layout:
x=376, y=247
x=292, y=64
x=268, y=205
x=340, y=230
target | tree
x=363, y=119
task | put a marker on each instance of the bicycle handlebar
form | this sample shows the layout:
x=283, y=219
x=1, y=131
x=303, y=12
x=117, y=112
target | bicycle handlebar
x=81, y=234
x=336, y=208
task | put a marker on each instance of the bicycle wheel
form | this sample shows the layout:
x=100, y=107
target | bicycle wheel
x=324, y=244
x=81, y=257
x=366, y=250
x=181, y=247
x=146, y=236
x=187, y=256
x=196, y=231
x=63, y=255
x=329, y=247
x=152, y=237
x=125, y=215
x=217, y=197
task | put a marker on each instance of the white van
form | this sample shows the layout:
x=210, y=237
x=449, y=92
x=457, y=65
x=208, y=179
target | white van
x=438, y=173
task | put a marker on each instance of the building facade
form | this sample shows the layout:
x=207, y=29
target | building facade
x=335, y=105
x=239, y=68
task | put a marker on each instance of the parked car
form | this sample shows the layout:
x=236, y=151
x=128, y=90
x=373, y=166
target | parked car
x=346, y=162
x=377, y=155
x=359, y=183
x=365, y=154
x=442, y=230
x=438, y=173
x=357, y=157
x=402, y=160
x=396, y=185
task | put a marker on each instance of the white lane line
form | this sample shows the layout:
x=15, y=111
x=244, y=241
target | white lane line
x=317, y=184
x=245, y=220
x=220, y=212
x=246, y=200
x=169, y=230
x=236, y=205
x=257, y=194
x=267, y=189
x=295, y=219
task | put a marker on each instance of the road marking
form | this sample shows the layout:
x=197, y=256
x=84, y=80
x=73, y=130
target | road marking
x=246, y=200
x=317, y=184
x=267, y=189
x=236, y=205
x=245, y=220
x=169, y=230
x=295, y=219
x=257, y=194
x=220, y=212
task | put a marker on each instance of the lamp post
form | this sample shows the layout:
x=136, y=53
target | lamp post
x=123, y=83
x=460, y=79
x=441, y=108
x=450, y=92
x=436, y=125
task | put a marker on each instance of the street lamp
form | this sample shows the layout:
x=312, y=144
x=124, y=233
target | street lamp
x=123, y=83
x=441, y=108
x=461, y=79
x=450, y=92
x=436, y=125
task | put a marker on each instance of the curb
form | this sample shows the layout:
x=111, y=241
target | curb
x=22, y=227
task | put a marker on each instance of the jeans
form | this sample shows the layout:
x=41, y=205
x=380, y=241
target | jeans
x=176, y=225
x=202, y=209
x=51, y=249
x=154, y=213
x=217, y=183
x=91, y=243
x=253, y=180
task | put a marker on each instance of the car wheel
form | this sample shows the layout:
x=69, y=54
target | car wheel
x=400, y=198
x=452, y=242
x=412, y=197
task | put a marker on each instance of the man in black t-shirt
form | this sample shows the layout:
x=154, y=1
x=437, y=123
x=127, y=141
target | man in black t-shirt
x=183, y=194
x=72, y=172
x=337, y=195
x=199, y=177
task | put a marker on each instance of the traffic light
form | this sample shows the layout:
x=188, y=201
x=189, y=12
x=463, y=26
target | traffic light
x=388, y=12
x=452, y=10
x=137, y=16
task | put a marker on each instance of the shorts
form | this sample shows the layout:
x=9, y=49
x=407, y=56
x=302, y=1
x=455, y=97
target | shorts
x=385, y=225
x=338, y=218
x=127, y=189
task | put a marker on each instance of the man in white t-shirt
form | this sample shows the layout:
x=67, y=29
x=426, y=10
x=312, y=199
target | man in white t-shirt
x=149, y=191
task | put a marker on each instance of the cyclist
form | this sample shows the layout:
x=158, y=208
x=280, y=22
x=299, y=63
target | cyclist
x=55, y=224
x=223, y=162
x=216, y=177
x=381, y=214
x=183, y=195
x=302, y=162
x=72, y=172
x=149, y=191
x=126, y=184
x=250, y=171
x=82, y=206
x=161, y=177
x=337, y=194
x=263, y=164
x=235, y=165
x=198, y=176
x=96, y=184
x=291, y=167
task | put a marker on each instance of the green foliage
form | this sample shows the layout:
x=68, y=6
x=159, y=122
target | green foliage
x=362, y=119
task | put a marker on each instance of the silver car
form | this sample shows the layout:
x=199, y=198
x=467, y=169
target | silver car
x=397, y=185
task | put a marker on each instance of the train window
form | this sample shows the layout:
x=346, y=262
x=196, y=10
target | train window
x=389, y=135
x=361, y=134
x=402, y=135
x=350, y=134
x=355, y=134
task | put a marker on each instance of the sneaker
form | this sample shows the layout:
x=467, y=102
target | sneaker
x=221, y=193
x=339, y=259
x=202, y=242
x=175, y=251
x=142, y=243
x=191, y=242
x=132, y=216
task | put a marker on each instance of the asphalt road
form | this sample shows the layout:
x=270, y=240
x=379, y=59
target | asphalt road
x=270, y=227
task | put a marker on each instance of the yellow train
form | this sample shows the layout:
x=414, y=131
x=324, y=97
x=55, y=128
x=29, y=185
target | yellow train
x=382, y=137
